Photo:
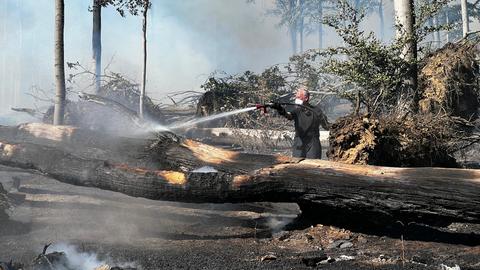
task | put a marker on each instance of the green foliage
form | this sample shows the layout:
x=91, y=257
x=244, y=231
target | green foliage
x=373, y=73
x=133, y=7
x=291, y=12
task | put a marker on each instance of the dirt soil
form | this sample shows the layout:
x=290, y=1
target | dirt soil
x=166, y=235
x=448, y=81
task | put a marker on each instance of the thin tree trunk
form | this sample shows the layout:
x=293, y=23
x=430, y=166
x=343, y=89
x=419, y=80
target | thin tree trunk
x=293, y=29
x=436, y=34
x=320, y=24
x=144, y=71
x=465, y=22
x=293, y=38
x=3, y=92
x=301, y=24
x=97, y=43
x=447, y=21
x=382, y=20
x=58, y=115
x=20, y=71
x=405, y=16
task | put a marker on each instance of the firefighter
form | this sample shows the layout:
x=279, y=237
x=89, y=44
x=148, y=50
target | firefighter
x=307, y=120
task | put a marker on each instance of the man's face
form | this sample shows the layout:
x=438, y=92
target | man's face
x=302, y=95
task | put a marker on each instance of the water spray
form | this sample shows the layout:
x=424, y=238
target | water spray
x=195, y=121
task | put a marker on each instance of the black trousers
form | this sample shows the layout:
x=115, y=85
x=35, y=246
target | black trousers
x=309, y=147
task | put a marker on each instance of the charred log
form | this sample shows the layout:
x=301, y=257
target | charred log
x=407, y=194
x=4, y=203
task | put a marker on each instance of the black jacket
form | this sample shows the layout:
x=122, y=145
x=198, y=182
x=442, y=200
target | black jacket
x=307, y=120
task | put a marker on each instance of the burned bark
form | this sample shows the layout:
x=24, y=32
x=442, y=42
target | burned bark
x=4, y=203
x=382, y=193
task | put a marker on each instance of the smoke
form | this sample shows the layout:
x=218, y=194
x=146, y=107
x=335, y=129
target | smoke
x=187, y=41
x=77, y=260
x=277, y=224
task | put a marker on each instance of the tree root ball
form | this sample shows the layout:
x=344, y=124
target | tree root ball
x=388, y=141
x=448, y=81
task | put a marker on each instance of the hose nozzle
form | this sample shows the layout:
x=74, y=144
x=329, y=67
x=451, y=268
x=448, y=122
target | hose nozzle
x=262, y=107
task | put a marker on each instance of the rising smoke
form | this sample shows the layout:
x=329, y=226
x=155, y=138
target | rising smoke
x=188, y=40
x=78, y=260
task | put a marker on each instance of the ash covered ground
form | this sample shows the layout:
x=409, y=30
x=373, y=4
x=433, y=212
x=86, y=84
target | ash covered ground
x=98, y=227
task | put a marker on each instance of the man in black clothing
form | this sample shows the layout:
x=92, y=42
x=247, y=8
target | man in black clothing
x=307, y=119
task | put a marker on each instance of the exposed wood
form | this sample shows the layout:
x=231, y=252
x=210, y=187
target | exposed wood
x=381, y=193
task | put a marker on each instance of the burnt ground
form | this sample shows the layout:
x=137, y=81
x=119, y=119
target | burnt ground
x=165, y=235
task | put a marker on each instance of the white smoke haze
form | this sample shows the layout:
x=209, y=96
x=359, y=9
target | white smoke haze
x=78, y=260
x=187, y=41
x=277, y=224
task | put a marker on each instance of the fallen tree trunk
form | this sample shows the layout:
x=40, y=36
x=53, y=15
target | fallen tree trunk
x=169, y=171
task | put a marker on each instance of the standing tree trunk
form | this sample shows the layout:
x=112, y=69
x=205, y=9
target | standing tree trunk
x=382, y=20
x=292, y=27
x=144, y=71
x=97, y=43
x=405, y=16
x=436, y=34
x=465, y=22
x=320, y=24
x=59, y=63
x=447, y=21
x=301, y=24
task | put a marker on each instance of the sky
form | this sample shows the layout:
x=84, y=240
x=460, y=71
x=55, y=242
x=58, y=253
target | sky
x=187, y=41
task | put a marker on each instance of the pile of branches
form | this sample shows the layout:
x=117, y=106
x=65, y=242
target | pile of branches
x=93, y=112
x=240, y=91
x=127, y=93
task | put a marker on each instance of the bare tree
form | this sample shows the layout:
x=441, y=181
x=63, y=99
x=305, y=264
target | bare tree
x=59, y=110
x=465, y=22
x=97, y=42
x=144, y=71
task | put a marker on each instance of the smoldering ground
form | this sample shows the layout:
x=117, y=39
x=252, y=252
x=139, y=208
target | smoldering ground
x=98, y=225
